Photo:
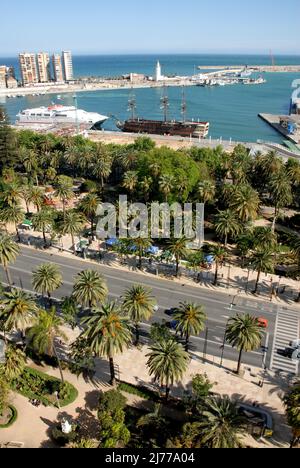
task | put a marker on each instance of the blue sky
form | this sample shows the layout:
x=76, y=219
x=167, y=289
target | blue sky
x=147, y=26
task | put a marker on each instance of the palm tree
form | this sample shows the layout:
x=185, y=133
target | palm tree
x=292, y=405
x=43, y=334
x=36, y=196
x=191, y=320
x=142, y=246
x=166, y=185
x=9, y=251
x=178, y=248
x=102, y=164
x=281, y=193
x=222, y=425
x=47, y=279
x=43, y=221
x=18, y=310
x=90, y=289
x=263, y=262
x=11, y=194
x=245, y=203
x=130, y=181
x=168, y=361
x=15, y=362
x=88, y=207
x=13, y=214
x=219, y=254
x=107, y=333
x=227, y=224
x=72, y=224
x=146, y=186
x=64, y=190
x=264, y=238
x=244, y=333
x=206, y=191
x=139, y=305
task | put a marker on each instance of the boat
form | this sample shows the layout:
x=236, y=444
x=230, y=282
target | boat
x=58, y=114
x=184, y=128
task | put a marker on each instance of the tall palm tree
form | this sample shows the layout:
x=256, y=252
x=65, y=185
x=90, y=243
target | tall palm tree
x=222, y=424
x=43, y=334
x=262, y=261
x=88, y=206
x=102, y=164
x=168, y=362
x=245, y=202
x=227, y=224
x=206, y=191
x=12, y=214
x=36, y=197
x=178, y=248
x=43, y=221
x=72, y=224
x=90, y=289
x=9, y=251
x=219, y=254
x=142, y=245
x=244, y=333
x=191, y=320
x=107, y=333
x=139, y=305
x=64, y=190
x=46, y=279
x=18, y=310
x=281, y=193
x=145, y=186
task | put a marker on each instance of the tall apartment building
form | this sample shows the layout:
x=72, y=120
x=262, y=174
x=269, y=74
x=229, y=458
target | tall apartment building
x=58, y=68
x=68, y=65
x=2, y=76
x=28, y=68
x=43, y=61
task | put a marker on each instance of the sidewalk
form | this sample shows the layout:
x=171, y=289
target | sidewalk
x=33, y=424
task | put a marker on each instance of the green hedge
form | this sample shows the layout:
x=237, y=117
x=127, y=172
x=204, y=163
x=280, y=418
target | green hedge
x=12, y=419
x=142, y=392
x=37, y=385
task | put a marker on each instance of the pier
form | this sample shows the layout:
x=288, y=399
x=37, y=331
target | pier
x=274, y=121
x=254, y=68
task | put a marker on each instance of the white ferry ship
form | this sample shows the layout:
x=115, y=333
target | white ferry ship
x=58, y=114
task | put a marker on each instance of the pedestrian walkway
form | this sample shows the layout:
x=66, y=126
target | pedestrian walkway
x=286, y=331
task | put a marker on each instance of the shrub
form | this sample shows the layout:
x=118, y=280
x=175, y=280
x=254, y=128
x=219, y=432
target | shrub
x=140, y=391
x=13, y=417
x=34, y=384
x=63, y=439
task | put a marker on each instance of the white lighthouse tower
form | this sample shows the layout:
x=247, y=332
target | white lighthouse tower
x=158, y=74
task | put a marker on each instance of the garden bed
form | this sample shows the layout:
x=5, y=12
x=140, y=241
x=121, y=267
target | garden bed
x=9, y=417
x=36, y=385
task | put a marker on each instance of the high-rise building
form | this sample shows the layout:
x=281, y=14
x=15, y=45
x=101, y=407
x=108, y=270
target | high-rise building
x=2, y=76
x=58, y=68
x=43, y=61
x=68, y=65
x=28, y=68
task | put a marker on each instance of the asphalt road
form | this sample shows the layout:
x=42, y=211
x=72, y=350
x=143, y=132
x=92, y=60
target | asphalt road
x=168, y=294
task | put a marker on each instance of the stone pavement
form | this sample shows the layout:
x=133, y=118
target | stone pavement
x=33, y=424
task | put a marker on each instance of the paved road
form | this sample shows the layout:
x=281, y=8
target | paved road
x=168, y=293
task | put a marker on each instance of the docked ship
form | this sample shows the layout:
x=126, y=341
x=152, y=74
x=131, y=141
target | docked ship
x=184, y=128
x=58, y=114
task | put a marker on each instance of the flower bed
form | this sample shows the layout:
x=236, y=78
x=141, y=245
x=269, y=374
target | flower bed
x=11, y=416
x=36, y=385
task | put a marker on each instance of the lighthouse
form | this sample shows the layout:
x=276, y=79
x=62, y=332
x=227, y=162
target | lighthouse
x=158, y=75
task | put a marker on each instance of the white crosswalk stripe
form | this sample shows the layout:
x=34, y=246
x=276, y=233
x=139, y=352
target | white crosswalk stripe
x=286, y=330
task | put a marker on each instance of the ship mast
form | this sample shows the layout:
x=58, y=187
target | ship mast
x=132, y=105
x=183, y=105
x=165, y=104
